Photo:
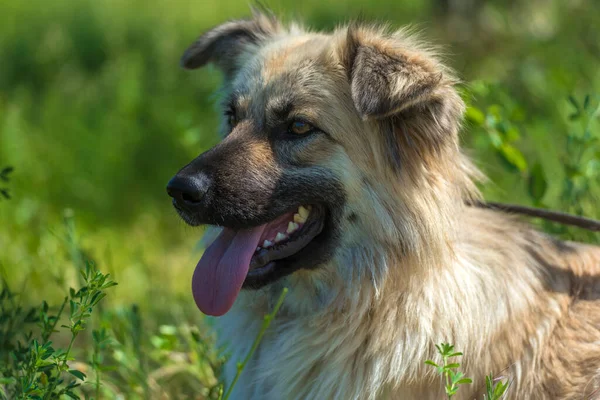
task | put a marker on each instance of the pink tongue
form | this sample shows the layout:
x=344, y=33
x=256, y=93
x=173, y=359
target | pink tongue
x=221, y=271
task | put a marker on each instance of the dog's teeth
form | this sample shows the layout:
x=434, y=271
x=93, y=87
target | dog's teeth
x=267, y=244
x=303, y=212
x=292, y=226
x=280, y=236
x=298, y=219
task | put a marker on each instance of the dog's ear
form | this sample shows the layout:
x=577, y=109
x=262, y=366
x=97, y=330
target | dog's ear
x=388, y=74
x=400, y=83
x=223, y=44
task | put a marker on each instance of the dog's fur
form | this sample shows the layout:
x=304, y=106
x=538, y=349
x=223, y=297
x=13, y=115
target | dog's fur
x=413, y=265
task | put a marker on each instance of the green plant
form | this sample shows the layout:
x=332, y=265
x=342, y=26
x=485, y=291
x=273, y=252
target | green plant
x=453, y=378
x=102, y=342
x=4, y=178
x=582, y=159
x=569, y=154
x=494, y=388
x=265, y=325
x=178, y=359
x=33, y=368
x=496, y=120
x=449, y=370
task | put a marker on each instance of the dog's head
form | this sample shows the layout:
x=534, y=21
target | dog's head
x=334, y=145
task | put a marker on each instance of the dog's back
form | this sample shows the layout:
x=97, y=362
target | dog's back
x=550, y=349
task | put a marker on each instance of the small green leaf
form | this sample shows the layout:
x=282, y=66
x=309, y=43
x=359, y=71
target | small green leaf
x=512, y=134
x=429, y=362
x=586, y=102
x=475, y=115
x=537, y=183
x=45, y=368
x=77, y=374
x=499, y=389
x=6, y=171
x=8, y=380
x=513, y=157
x=447, y=348
x=108, y=284
x=97, y=297
x=495, y=110
x=72, y=395
x=574, y=102
x=168, y=330
x=592, y=168
x=495, y=138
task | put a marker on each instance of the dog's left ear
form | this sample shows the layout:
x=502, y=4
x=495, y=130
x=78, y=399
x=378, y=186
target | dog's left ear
x=224, y=43
x=387, y=74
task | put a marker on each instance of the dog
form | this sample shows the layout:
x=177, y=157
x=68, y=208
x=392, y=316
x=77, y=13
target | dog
x=340, y=177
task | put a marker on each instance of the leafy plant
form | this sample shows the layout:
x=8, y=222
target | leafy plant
x=449, y=370
x=33, y=368
x=102, y=342
x=500, y=125
x=498, y=121
x=582, y=159
x=494, y=388
x=453, y=378
x=4, y=178
x=177, y=359
x=265, y=325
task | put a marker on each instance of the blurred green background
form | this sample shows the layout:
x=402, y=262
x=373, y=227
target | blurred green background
x=96, y=115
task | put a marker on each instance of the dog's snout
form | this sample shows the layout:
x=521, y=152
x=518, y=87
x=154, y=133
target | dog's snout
x=188, y=190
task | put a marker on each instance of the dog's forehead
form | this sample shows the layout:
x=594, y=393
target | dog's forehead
x=287, y=67
x=291, y=53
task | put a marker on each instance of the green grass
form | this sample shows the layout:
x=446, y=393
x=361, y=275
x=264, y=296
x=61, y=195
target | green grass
x=96, y=115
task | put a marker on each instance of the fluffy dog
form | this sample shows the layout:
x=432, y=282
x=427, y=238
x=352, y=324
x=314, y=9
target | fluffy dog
x=340, y=177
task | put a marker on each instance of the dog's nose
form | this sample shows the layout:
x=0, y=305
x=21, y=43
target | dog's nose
x=188, y=190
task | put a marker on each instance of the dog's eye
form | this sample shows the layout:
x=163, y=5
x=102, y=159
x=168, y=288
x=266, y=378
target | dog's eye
x=231, y=118
x=300, y=128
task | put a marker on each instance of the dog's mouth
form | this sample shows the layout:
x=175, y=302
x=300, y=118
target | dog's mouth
x=245, y=256
x=286, y=236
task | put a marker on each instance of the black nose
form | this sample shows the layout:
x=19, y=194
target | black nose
x=188, y=190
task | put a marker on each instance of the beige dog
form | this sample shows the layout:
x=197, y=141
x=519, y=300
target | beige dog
x=340, y=177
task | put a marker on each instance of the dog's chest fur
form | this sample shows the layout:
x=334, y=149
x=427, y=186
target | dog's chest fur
x=303, y=359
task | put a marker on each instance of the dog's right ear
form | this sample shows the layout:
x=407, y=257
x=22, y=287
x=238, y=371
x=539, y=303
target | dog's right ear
x=223, y=44
x=388, y=74
x=395, y=79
